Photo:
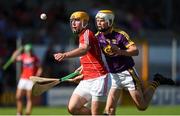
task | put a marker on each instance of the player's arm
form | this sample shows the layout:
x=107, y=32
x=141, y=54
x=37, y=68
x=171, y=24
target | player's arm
x=82, y=50
x=39, y=66
x=76, y=79
x=79, y=69
x=132, y=50
x=39, y=71
x=16, y=53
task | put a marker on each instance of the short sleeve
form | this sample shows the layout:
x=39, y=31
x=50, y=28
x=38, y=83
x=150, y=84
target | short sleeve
x=84, y=38
x=125, y=39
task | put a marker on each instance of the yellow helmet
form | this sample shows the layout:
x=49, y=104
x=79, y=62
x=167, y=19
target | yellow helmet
x=82, y=16
x=107, y=15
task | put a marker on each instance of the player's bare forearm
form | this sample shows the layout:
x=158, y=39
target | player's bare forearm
x=39, y=71
x=71, y=54
x=132, y=51
x=77, y=79
x=128, y=52
x=76, y=52
x=16, y=53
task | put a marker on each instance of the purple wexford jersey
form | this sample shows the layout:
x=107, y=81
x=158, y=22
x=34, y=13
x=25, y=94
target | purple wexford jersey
x=121, y=39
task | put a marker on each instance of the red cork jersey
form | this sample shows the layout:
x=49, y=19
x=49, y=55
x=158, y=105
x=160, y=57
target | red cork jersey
x=92, y=63
x=29, y=65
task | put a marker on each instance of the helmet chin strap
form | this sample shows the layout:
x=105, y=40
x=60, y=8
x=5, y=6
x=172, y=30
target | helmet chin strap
x=84, y=25
x=75, y=32
x=78, y=31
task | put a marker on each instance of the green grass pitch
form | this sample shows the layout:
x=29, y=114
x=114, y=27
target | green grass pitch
x=122, y=110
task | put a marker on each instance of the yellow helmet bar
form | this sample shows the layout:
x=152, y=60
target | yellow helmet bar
x=106, y=11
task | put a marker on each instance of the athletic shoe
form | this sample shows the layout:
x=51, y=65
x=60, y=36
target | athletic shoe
x=163, y=80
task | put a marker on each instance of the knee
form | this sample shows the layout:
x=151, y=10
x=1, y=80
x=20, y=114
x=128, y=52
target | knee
x=72, y=110
x=18, y=97
x=29, y=99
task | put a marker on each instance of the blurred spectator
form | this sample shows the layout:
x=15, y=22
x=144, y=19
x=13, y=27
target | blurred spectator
x=48, y=61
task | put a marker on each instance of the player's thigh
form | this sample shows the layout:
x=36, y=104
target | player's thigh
x=113, y=97
x=29, y=94
x=81, y=95
x=137, y=96
x=76, y=101
x=97, y=107
x=19, y=93
x=98, y=104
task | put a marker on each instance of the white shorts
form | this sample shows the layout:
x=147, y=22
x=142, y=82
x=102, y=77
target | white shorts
x=95, y=89
x=25, y=84
x=127, y=79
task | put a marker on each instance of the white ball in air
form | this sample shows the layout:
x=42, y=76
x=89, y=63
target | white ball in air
x=43, y=16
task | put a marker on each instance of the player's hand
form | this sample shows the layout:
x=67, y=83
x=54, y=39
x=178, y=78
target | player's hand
x=116, y=50
x=79, y=69
x=59, y=56
x=77, y=79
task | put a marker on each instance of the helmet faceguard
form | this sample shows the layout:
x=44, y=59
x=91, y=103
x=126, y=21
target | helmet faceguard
x=107, y=15
x=81, y=16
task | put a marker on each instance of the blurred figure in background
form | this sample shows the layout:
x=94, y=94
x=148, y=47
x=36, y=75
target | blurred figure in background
x=118, y=50
x=30, y=66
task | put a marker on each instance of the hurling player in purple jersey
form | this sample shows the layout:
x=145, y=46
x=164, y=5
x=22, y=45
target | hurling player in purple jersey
x=118, y=50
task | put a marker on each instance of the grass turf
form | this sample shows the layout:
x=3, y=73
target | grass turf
x=124, y=110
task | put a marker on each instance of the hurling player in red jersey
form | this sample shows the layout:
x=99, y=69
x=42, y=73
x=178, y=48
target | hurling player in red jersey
x=30, y=66
x=94, y=83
